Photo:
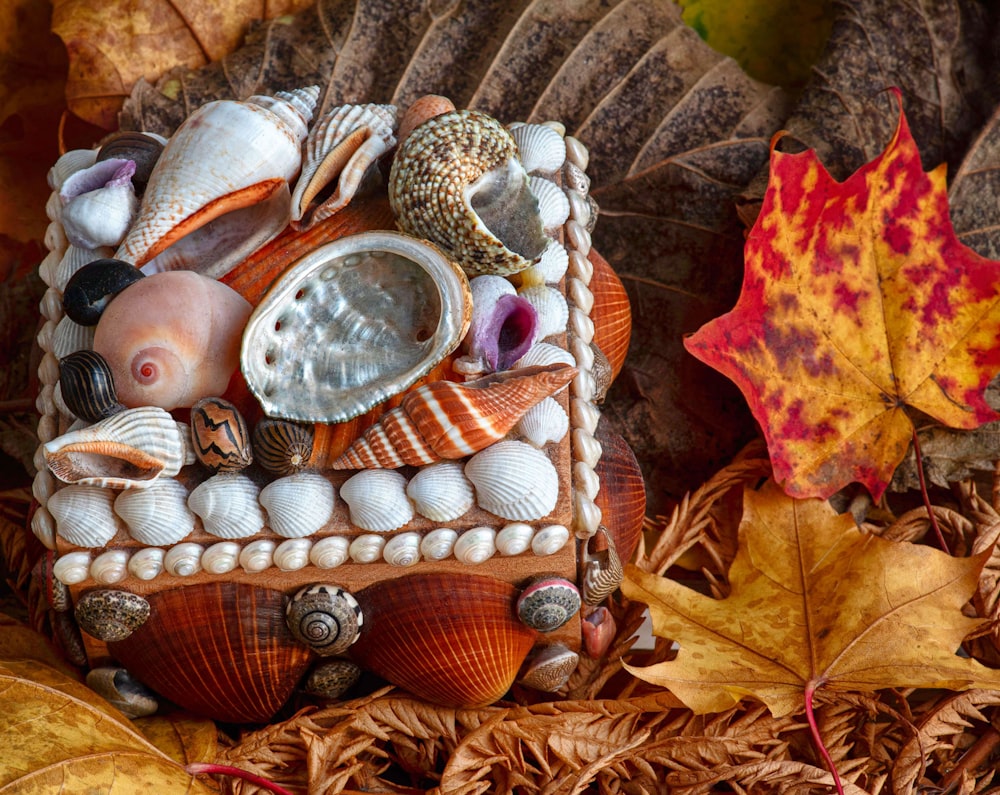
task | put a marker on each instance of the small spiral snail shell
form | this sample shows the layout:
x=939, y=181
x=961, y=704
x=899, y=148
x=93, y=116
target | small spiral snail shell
x=548, y=603
x=325, y=618
x=88, y=386
x=111, y=615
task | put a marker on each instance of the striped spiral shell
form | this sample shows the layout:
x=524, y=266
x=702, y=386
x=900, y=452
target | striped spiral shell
x=282, y=447
x=325, y=618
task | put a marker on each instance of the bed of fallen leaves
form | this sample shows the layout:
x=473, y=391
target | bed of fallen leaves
x=795, y=636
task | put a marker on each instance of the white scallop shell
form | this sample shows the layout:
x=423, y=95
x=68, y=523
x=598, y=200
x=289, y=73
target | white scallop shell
x=545, y=353
x=514, y=481
x=68, y=164
x=70, y=337
x=552, y=265
x=110, y=567
x=184, y=559
x=441, y=492
x=257, y=555
x=298, y=505
x=402, y=550
x=74, y=259
x=146, y=563
x=72, y=568
x=157, y=515
x=438, y=544
x=539, y=147
x=549, y=540
x=292, y=554
x=551, y=308
x=377, y=500
x=553, y=206
x=513, y=539
x=544, y=422
x=366, y=548
x=476, y=545
x=84, y=515
x=227, y=505
x=221, y=558
x=328, y=553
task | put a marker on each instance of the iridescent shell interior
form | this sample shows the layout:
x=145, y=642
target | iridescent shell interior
x=351, y=324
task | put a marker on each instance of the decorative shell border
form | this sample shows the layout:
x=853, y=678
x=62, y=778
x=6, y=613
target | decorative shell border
x=353, y=543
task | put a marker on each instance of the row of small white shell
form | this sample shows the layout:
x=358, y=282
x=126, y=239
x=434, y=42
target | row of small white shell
x=63, y=260
x=472, y=547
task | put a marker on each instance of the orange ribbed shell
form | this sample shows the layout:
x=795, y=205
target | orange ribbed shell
x=220, y=649
x=453, y=639
x=611, y=313
x=622, y=496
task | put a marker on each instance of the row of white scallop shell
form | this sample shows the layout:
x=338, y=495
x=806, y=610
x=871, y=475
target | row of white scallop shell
x=510, y=479
x=472, y=547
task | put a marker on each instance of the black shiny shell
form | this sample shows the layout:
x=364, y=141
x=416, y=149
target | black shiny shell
x=87, y=386
x=282, y=447
x=91, y=288
x=220, y=434
x=142, y=149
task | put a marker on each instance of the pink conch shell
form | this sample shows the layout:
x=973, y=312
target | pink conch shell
x=99, y=204
x=172, y=338
x=226, y=155
x=444, y=420
x=341, y=148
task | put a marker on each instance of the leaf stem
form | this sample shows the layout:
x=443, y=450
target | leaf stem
x=210, y=768
x=818, y=740
x=927, y=497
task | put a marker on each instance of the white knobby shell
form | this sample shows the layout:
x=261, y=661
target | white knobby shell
x=84, y=515
x=146, y=563
x=544, y=422
x=221, y=558
x=586, y=515
x=184, y=559
x=542, y=353
x=586, y=448
x=103, y=216
x=439, y=543
x=328, y=553
x=366, y=548
x=72, y=568
x=514, y=538
x=539, y=147
x=68, y=164
x=553, y=206
x=476, y=545
x=257, y=555
x=70, y=337
x=585, y=415
x=551, y=308
x=585, y=479
x=298, y=505
x=441, y=492
x=227, y=505
x=549, y=540
x=43, y=526
x=514, y=481
x=157, y=515
x=110, y=567
x=292, y=554
x=402, y=550
x=377, y=500
x=43, y=486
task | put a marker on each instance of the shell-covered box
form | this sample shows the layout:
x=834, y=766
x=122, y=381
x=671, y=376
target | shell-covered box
x=320, y=395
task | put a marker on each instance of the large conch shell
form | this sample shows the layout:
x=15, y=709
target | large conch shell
x=172, y=338
x=351, y=324
x=444, y=419
x=226, y=155
x=456, y=180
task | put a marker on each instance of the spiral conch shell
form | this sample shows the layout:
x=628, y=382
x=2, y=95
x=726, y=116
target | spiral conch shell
x=172, y=338
x=226, y=155
x=456, y=180
x=443, y=420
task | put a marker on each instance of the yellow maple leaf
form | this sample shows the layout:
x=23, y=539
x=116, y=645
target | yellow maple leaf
x=815, y=602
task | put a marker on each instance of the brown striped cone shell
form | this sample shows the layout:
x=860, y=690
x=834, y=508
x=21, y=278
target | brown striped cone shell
x=453, y=639
x=445, y=420
x=457, y=182
x=611, y=313
x=602, y=568
x=219, y=649
x=220, y=435
x=622, y=493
